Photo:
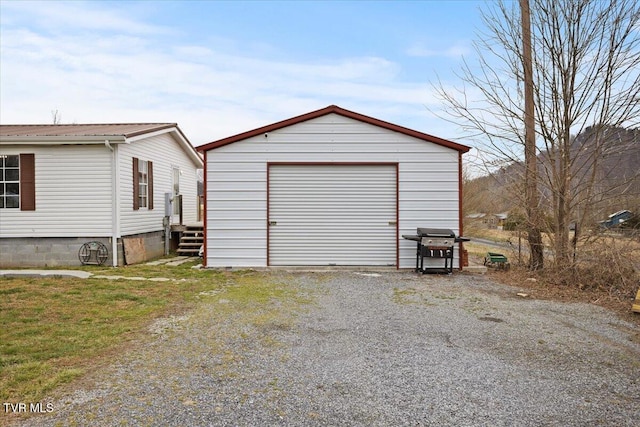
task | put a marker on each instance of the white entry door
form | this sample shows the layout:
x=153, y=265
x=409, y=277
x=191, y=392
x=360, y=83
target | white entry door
x=332, y=214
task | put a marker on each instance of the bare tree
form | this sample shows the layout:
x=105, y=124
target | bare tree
x=56, y=117
x=586, y=79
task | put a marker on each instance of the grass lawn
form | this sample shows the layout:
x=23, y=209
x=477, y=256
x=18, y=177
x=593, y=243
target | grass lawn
x=54, y=329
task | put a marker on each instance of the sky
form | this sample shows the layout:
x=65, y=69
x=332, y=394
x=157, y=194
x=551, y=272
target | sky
x=219, y=68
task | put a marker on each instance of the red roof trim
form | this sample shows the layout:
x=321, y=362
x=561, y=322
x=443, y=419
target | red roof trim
x=337, y=110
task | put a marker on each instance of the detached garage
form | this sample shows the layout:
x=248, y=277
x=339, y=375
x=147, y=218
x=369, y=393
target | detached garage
x=330, y=187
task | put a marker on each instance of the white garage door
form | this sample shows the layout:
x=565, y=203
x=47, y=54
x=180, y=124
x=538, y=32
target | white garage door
x=333, y=215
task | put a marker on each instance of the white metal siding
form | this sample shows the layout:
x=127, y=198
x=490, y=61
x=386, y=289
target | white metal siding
x=73, y=193
x=236, y=213
x=165, y=153
x=332, y=215
x=237, y=182
x=74, y=186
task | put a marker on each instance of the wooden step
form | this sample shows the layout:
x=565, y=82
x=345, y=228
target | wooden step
x=191, y=239
x=188, y=252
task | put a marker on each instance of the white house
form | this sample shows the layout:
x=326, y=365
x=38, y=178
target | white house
x=330, y=187
x=62, y=186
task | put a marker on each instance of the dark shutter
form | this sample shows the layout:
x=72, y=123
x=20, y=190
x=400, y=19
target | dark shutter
x=136, y=185
x=150, y=185
x=27, y=182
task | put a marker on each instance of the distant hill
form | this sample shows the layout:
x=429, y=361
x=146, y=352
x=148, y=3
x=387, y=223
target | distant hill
x=615, y=152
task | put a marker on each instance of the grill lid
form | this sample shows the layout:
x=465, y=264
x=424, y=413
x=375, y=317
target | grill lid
x=436, y=232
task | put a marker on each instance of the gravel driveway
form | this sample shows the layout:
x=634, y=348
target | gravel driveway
x=375, y=349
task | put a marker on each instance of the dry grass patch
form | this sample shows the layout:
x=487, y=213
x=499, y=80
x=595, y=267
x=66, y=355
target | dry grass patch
x=606, y=272
x=546, y=285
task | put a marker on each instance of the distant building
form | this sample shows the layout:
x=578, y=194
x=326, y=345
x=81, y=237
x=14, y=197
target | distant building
x=500, y=219
x=492, y=221
x=615, y=219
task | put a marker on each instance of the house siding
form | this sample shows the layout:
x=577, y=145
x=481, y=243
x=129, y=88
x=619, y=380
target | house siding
x=73, y=193
x=165, y=153
x=236, y=179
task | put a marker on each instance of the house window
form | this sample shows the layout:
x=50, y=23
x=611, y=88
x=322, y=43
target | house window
x=176, y=190
x=18, y=182
x=142, y=184
x=10, y=181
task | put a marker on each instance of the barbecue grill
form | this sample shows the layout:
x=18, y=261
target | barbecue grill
x=434, y=243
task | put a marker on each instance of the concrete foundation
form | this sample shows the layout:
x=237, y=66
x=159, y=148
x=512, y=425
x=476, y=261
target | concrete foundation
x=63, y=251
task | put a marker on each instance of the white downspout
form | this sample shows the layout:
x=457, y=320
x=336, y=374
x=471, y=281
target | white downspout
x=115, y=202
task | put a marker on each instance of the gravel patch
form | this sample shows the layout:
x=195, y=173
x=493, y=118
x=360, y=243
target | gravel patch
x=374, y=349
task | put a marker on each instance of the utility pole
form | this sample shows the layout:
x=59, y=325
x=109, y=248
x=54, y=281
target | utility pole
x=531, y=173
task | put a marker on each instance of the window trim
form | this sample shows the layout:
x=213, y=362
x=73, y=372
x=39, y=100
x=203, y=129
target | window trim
x=136, y=184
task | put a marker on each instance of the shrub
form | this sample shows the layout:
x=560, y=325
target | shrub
x=604, y=263
x=514, y=222
x=632, y=223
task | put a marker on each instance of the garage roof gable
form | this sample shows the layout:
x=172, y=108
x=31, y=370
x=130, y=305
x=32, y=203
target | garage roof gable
x=335, y=110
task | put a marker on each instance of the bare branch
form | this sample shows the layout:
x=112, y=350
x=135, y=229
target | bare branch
x=586, y=72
